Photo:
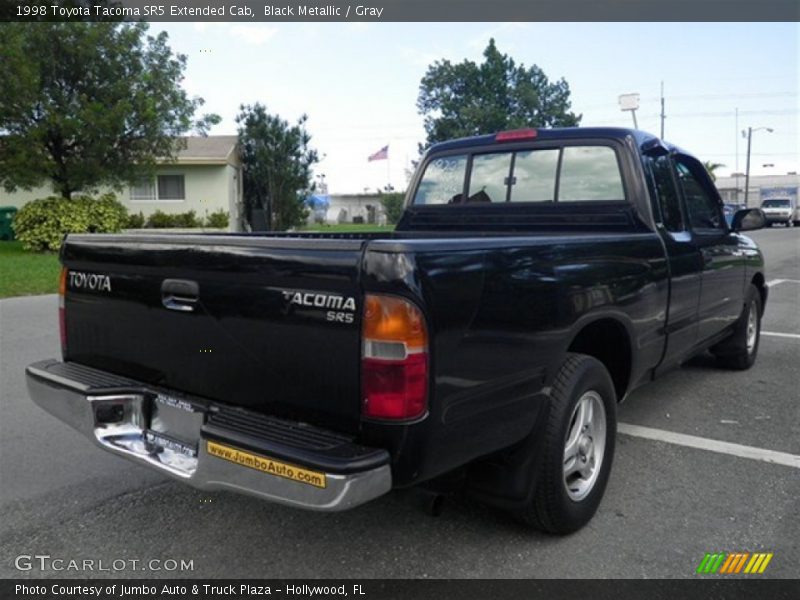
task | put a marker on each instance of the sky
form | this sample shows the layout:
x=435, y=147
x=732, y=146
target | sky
x=358, y=83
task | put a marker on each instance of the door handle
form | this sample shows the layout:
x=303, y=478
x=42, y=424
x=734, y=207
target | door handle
x=180, y=294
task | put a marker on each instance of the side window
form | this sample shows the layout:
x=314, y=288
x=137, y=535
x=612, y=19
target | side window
x=667, y=195
x=489, y=177
x=590, y=173
x=443, y=181
x=535, y=176
x=703, y=209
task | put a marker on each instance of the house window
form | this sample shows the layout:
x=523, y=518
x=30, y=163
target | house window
x=171, y=187
x=143, y=190
x=164, y=187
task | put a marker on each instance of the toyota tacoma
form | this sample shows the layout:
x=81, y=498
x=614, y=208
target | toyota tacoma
x=536, y=278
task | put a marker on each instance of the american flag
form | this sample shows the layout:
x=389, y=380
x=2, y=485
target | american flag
x=382, y=154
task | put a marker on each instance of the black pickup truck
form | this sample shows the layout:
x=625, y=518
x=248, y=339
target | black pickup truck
x=536, y=278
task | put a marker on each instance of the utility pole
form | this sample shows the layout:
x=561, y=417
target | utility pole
x=663, y=116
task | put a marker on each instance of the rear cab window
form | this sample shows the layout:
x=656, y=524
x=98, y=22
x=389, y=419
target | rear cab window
x=443, y=182
x=570, y=173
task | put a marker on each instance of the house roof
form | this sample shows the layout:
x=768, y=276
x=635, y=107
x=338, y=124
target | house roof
x=213, y=149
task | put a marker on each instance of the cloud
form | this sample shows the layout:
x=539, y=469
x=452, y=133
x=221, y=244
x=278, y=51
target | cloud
x=257, y=35
x=358, y=26
x=203, y=26
x=479, y=42
x=421, y=58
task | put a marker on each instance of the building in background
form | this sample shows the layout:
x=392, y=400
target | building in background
x=355, y=208
x=761, y=187
x=205, y=177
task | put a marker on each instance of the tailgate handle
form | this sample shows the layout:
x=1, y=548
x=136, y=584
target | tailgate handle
x=179, y=294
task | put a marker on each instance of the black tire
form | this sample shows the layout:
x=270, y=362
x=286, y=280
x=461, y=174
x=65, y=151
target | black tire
x=734, y=352
x=552, y=509
x=769, y=224
x=796, y=223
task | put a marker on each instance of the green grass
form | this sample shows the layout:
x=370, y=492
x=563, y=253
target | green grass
x=347, y=228
x=27, y=273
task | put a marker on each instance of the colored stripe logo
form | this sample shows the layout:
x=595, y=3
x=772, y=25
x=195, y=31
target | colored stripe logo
x=732, y=563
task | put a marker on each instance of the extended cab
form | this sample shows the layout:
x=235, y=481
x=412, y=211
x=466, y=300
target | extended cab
x=535, y=279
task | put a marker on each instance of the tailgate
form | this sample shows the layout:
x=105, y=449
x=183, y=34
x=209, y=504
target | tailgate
x=265, y=323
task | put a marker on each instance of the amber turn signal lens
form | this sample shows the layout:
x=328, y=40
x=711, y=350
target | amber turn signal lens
x=62, y=317
x=62, y=282
x=392, y=319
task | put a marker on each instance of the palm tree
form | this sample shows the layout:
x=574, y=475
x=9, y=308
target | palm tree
x=711, y=167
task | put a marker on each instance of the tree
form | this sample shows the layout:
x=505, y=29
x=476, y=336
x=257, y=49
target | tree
x=277, y=161
x=711, y=167
x=466, y=99
x=393, y=205
x=89, y=104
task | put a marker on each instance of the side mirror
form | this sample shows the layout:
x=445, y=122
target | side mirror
x=748, y=219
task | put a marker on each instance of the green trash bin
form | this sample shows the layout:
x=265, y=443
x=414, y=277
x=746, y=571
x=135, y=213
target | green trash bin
x=6, y=220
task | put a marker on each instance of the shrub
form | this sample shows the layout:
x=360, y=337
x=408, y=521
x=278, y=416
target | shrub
x=218, y=219
x=42, y=224
x=136, y=221
x=161, y=220
x=187, y=219
x=106, y=214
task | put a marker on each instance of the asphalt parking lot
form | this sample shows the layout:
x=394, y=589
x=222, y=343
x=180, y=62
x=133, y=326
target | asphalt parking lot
x=667, y=503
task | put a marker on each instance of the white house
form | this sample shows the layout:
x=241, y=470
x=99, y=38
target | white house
x=206, y=177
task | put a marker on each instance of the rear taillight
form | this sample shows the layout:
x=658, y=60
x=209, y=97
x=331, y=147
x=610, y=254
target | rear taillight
x=394, y=359
x=62, y=323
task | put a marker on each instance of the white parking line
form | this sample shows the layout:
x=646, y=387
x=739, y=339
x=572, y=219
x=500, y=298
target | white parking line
x=691, y=441
x=795, y=336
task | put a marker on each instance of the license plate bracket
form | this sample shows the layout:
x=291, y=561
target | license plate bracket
x=175, y=424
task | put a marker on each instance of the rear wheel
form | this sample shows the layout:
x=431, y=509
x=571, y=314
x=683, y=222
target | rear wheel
x=578, y=448
x=739, y=351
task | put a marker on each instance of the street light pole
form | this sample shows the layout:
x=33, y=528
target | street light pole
x=747, y=168
x=749, y=136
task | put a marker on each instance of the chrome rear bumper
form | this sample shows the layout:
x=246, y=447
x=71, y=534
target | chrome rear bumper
x=116, y=417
